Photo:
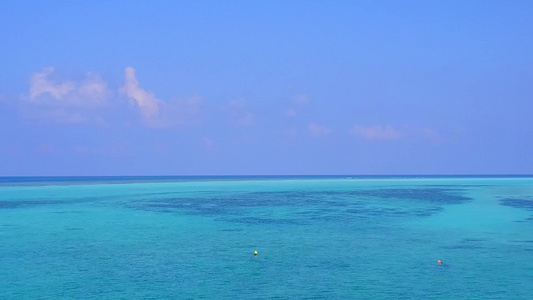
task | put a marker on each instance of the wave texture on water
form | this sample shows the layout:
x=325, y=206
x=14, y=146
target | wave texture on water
x=318, y=237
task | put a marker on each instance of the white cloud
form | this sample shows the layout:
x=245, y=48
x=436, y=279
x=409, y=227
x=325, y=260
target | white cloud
x=40, y=83
x=317, y=130
x=146, y=101
x=51, y=98
x=46, y=88
x=376, y=132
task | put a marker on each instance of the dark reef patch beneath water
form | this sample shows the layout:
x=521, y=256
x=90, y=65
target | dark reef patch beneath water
x=10, y=204
x=434, y=195
x=518, y=203
x=305, y=206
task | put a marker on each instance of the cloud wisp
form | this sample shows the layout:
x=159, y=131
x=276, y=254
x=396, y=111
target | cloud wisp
x=316, y=130
x=159, y=113
x=297, y=103
x=432, y=135
x=239, y=113
x=376, y=132
x=88, y=100
x=147, y=103
x=390, y=133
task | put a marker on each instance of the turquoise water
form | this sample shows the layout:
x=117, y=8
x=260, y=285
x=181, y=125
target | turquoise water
x=316, y=238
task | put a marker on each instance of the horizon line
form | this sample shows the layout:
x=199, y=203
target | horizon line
x=272, y=175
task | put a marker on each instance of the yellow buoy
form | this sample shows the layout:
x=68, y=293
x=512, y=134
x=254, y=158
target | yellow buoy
x=255, y=253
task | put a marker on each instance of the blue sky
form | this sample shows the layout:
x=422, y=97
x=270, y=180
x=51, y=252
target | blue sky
x=266, y=87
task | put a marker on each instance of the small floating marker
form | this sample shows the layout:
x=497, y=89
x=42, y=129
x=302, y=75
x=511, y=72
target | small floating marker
x=440, y=263
x=255, y=253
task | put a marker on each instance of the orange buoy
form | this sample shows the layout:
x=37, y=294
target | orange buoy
x=439, y=262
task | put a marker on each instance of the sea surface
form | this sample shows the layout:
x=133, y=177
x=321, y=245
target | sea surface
x=329, y=237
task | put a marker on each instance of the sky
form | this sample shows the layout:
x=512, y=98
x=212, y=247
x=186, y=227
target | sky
x=266, y=87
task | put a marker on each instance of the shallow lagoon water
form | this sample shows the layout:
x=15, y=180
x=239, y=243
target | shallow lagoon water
x=317, y=238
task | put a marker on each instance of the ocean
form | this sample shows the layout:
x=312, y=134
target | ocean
x=316, y=237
